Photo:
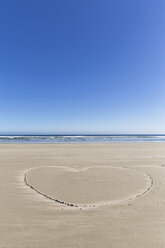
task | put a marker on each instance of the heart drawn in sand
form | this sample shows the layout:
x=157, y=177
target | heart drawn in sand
x=88, y=187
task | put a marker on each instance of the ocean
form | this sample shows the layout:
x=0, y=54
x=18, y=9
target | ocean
x=80, y=138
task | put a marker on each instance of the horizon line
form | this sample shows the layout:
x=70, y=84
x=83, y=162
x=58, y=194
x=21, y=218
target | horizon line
x=83, y=134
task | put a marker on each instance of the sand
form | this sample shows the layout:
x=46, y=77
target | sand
x=82, y=195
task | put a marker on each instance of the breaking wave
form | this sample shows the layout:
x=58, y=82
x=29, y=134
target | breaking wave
x=80, y=138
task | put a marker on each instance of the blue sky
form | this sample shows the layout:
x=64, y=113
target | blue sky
x=82, y=66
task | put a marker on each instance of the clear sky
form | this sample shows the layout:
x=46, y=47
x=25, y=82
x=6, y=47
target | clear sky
x=82, y=66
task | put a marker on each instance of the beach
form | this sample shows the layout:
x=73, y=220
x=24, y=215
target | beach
x=82, y=195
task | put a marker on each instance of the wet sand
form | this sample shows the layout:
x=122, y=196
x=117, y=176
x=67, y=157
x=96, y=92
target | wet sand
x=82, y=195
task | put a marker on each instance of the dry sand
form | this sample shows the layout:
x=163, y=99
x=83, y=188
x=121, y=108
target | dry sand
x=82, y=195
